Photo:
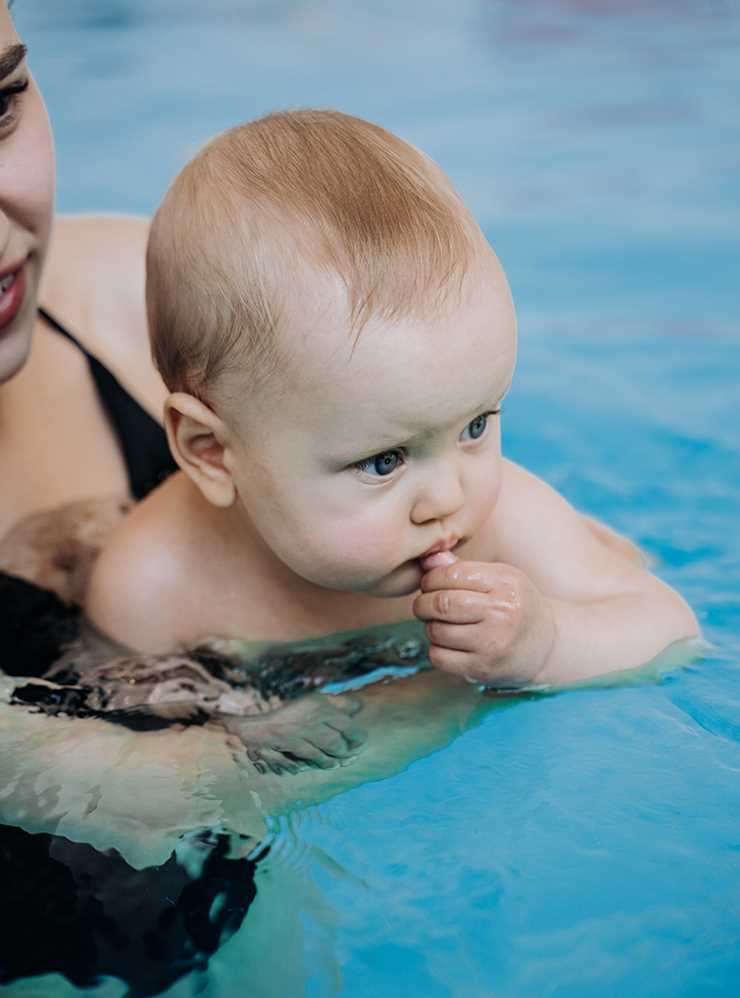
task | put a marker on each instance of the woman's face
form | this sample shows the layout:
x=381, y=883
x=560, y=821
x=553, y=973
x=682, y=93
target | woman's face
x=26, y=197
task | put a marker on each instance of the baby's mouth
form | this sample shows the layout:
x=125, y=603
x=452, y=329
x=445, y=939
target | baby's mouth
x=439, y=554
x=445, y=545
x=437, y=559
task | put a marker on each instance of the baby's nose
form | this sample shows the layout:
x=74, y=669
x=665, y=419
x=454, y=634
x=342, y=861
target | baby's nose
x=441, y=497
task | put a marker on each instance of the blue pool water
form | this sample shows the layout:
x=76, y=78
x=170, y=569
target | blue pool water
x=581, y=844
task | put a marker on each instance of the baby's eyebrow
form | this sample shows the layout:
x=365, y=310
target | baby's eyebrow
x=10, y=59
x=493, y=400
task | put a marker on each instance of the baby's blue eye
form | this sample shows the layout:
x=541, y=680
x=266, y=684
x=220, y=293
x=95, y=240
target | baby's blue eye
x=477, y=427
x=381, y=464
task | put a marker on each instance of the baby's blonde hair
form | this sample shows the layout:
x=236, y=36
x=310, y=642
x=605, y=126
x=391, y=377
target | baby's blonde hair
x=264, y=199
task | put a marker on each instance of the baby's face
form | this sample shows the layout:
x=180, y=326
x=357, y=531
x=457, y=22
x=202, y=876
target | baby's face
x=380, y=451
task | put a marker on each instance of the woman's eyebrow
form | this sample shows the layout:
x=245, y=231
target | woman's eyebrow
x=10, y=58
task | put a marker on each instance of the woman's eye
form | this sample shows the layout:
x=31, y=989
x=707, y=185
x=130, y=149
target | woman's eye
x=8, y=100
x=381, y=464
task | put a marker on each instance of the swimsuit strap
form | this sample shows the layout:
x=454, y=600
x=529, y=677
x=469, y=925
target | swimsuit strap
x=56, y=325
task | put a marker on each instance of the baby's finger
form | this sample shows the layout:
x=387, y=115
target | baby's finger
x=460, y=637
x=477, y=576
x=455, y=606
x=438, y=558
x=451, y=660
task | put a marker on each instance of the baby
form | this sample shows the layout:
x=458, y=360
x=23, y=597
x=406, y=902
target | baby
x=338, y=339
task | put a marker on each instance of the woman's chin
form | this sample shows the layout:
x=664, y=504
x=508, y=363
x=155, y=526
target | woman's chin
x=15, y=346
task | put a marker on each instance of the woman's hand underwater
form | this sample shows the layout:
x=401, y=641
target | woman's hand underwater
x=315, y=730
x=486, y=622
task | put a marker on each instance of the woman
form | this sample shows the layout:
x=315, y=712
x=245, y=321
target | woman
x=59, y=400
x=79, y=434
x=53, y=403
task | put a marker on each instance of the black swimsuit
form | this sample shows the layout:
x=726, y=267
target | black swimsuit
x=34, y=622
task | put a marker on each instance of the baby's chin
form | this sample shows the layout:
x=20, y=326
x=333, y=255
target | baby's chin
x=402, y=581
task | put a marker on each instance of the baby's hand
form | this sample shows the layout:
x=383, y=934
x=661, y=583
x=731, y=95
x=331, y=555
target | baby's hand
x=486, y=622
x=316, y=730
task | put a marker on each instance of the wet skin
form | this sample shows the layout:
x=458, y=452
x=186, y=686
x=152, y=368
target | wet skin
x=208, y=782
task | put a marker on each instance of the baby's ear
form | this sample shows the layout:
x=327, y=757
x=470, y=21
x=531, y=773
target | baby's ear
x=197, y=439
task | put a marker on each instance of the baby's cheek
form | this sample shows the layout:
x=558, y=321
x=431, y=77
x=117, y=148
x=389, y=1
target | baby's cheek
x=483, y=492
x=348, y=553
x=350, y=545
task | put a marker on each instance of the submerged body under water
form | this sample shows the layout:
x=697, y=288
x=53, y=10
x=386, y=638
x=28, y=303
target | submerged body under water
x=122, y=876
x=135, y=838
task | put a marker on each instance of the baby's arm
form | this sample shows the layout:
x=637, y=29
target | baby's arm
x=557, y=606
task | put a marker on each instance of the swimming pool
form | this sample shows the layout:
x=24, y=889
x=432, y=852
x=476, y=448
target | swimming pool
x=579, y=844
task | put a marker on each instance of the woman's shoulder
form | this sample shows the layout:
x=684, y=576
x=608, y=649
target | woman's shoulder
x=94, y=284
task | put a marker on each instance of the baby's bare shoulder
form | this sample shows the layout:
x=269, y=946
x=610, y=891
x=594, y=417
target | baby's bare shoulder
x=523, y=501
x=522, y=504
x=565, y=553
x=142, y=589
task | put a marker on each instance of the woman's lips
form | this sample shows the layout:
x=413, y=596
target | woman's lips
x=13, y=295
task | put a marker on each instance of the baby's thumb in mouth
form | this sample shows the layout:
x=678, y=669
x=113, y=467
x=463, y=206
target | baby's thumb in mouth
x=437, y=560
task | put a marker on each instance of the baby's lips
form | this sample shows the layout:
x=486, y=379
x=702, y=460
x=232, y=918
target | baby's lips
x=437, y=560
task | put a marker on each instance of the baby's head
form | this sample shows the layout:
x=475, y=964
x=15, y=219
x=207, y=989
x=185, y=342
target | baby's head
x=335, y=331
